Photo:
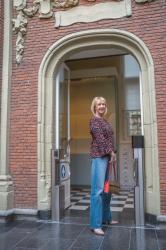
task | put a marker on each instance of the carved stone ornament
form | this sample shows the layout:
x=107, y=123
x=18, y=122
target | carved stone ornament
x=20, y=25
x=19, y=4
x=93, y=13
x=118, y=8
x=45, y=9
x=143, y=1
x=65, y=3
x=20, y=29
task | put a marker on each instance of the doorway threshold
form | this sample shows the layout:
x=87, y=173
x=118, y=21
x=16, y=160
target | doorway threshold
x=122, y=207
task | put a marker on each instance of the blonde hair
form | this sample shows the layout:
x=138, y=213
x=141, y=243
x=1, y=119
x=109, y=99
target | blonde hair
x=94, y=102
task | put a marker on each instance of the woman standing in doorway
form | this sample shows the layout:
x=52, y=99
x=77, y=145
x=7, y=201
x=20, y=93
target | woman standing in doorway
x=102, y=152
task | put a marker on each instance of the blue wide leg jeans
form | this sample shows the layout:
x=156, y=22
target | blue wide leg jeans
x=99, y=202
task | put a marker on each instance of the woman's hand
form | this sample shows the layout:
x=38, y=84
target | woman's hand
x=113, y=157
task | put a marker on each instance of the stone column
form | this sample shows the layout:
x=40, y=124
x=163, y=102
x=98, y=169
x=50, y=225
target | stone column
x=6, y=187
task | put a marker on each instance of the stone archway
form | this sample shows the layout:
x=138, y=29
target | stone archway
x=57, y=53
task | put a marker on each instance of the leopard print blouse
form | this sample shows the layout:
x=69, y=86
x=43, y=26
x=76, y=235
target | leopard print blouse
x=102, y=137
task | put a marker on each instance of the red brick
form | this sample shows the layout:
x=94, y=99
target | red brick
x=147, y=22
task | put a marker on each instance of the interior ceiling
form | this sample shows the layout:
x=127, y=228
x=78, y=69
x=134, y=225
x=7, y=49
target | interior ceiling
x=97, y=53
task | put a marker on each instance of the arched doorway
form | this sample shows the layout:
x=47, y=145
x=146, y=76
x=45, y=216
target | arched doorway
x=58, y=53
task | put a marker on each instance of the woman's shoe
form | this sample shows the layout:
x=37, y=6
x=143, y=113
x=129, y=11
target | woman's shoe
x=98, y=231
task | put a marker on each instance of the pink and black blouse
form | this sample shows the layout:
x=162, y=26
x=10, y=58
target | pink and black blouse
x=102, y=137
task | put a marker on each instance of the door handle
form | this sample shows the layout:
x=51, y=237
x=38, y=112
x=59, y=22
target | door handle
x=68, y=149
x=135, y=170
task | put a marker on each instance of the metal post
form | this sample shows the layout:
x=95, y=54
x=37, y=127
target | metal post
x=57, y=189
x=138, y=146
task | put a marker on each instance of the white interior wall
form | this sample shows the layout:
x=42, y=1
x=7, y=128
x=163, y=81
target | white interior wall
x=82, y=93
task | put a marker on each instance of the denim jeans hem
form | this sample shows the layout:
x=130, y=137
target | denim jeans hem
x=100, y=202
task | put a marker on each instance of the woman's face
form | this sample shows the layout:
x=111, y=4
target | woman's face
x=100, y=108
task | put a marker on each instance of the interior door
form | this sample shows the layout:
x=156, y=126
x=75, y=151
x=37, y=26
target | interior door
x=62, y=127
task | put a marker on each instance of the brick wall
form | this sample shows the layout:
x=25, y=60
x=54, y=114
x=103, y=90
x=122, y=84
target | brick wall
x=147, y=22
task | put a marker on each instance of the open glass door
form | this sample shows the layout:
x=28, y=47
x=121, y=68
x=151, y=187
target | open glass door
x=62, y=128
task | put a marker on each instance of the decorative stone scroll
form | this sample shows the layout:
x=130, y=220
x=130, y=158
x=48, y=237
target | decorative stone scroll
x=45, y=9
x=92, y=13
